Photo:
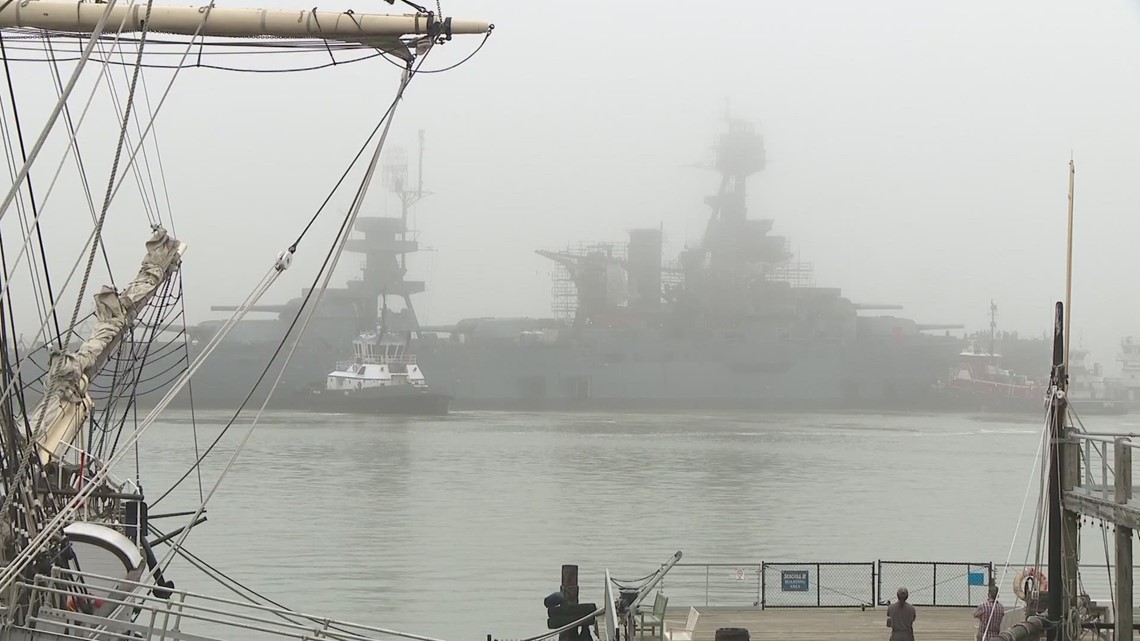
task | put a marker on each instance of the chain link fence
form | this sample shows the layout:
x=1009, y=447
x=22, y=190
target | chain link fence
x=935, y=583
x=817, y=585
x=854, y=585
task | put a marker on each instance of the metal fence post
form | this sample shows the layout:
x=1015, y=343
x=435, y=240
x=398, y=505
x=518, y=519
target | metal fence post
x=759, y=586
x=818, y=600
x=934, y=586
x=763, y=584
x=706, y=586
x=876, y=585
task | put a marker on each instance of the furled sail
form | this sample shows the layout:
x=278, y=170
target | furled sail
x=66, y=404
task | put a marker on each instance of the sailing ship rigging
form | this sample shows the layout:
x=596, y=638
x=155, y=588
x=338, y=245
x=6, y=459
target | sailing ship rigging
x=1057, y=607
x=79, y=555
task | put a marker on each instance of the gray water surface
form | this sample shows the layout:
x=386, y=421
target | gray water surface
x=457, y=527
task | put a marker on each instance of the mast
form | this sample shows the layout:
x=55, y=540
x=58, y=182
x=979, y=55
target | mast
x=1064, y=475
x=409, y=198
x=369, y=28
x=993, y=326
x=1069, y=261
x=1064, y=468
x=396, y=174
x=1056, y=602
x=420, y=169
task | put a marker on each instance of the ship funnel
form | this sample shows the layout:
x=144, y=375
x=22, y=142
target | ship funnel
x=644, y=267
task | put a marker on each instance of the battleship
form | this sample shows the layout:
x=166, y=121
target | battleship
x=732, y=323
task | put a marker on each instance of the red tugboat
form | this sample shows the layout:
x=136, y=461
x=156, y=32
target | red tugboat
x=981, y=384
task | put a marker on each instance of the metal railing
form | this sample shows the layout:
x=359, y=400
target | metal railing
x=68, y=607
x=351, y=365
x=1097, y=462
x=746, y=585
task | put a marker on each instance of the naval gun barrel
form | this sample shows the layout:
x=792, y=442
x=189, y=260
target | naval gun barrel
x=255, y=308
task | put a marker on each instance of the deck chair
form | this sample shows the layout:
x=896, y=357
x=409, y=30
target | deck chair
x=655, y=618
x=690, y=627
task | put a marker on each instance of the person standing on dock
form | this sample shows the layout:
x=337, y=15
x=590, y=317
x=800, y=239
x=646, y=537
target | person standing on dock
x=900, y=618
x=989, y=616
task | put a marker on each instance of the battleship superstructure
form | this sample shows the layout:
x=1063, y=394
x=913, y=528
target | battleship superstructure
x=343, y=315
x=733, y=322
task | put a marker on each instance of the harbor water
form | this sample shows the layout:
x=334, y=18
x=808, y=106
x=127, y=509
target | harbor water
x=456, y=527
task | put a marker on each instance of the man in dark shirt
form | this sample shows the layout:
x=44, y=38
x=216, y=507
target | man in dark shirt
x=900, y=618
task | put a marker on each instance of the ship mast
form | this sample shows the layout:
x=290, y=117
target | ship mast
x=408, y=198
x=993, y=327
x=372, y=29
x=396, y=177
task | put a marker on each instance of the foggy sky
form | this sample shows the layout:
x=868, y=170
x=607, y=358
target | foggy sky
x=918, y=153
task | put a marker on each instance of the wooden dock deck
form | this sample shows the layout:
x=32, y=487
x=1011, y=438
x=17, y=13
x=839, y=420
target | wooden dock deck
x=820, y=624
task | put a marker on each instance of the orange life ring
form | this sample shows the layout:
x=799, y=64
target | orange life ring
x=83, y=604
x=1030, y=581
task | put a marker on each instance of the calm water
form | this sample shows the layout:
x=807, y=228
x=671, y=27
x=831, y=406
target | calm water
x=457, y=527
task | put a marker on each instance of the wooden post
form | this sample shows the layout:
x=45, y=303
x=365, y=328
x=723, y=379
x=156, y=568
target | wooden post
x=570, y=590
x=1123, y=616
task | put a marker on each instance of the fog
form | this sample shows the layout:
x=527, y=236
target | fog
x=917, y=153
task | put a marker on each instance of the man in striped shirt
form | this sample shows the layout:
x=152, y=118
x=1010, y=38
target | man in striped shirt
x=989, y=616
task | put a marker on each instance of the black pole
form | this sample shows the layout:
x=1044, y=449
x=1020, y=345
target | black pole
x=1056, y=569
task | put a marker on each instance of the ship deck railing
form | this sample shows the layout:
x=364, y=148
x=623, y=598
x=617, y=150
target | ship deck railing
x=206, y=618
x=350, y=365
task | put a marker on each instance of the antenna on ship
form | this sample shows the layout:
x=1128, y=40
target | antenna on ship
x=395, y=174
x=993, y=326
x=396, y=177
x=420, y=169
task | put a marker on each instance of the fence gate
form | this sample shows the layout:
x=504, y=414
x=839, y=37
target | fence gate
x=934, y=583
x=817, y=585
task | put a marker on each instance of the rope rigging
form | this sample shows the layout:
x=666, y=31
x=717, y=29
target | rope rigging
x=122, y=375
x=54, y=115
x=114, y=164
x=324, y=271
x=31, y=191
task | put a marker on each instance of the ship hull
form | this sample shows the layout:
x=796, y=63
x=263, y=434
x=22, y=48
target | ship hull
x=632, y=373
x=610, y=371
x=1090, y=407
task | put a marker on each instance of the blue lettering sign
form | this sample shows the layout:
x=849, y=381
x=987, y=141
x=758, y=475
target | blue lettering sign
x=794, y=580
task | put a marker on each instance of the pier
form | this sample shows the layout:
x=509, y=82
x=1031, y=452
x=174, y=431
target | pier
x=818, y=624
x=794, y=601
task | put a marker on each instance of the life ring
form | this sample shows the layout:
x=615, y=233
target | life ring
x=83, y=604
x=1030, y=581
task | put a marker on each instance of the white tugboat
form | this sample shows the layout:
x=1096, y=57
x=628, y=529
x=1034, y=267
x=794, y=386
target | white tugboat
x=382, y=378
